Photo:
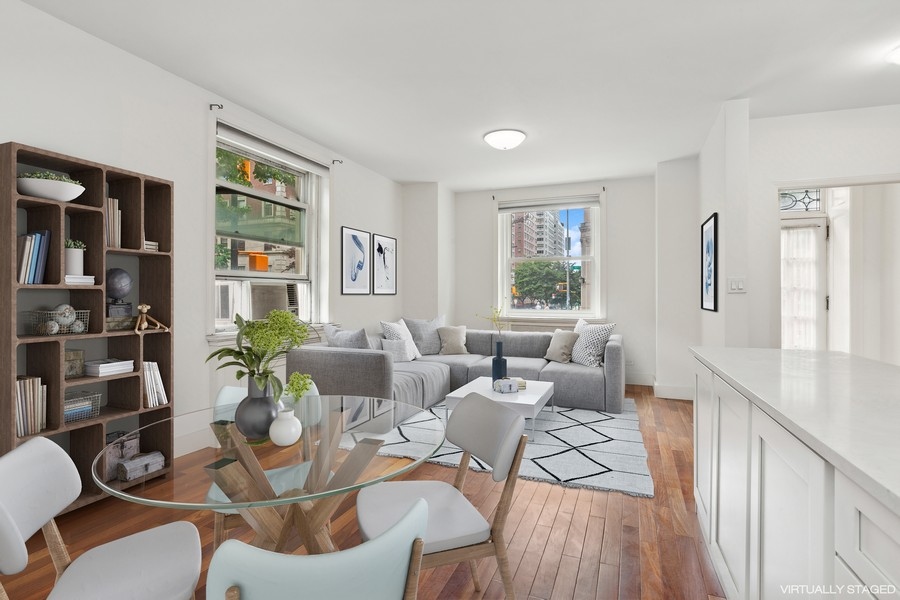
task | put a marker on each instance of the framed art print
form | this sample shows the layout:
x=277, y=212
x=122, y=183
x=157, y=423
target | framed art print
x=709, y=267
x=384, y=264
x=355, y=258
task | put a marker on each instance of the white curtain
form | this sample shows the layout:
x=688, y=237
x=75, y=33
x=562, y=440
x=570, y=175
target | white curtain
x=799, y=283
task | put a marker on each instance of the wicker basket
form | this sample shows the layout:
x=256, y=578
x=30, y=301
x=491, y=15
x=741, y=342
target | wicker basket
x=79, y=406
x=46, y=322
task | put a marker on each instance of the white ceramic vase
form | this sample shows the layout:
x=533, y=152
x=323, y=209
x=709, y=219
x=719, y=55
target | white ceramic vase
x=74, y=261
x=286, y=428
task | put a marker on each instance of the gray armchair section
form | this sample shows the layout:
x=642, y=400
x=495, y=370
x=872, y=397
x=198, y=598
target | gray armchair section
x=427, y=380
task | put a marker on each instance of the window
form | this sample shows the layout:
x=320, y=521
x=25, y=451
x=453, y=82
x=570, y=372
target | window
x=265, y=244
x=556, y=272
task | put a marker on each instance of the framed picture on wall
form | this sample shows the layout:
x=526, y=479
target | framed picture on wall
x=355, y=259
x=709, y=264
x=384, y=264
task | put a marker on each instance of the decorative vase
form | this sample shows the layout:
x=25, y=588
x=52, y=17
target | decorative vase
x=498, y=365
x=256, y=412
x=74, y=261
x=285, y=430
x=309, y=410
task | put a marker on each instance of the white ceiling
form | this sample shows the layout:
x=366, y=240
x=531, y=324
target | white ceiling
x=604, y=88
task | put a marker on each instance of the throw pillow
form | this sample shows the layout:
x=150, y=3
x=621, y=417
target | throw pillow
x=346, y=338
x=561, y=346
x=453, y=339
x=399, y=350
x=591, y=344
x=399, y=331
x=425, y=334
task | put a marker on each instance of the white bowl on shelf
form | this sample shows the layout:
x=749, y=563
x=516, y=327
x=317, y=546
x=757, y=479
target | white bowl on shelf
x=49, y=189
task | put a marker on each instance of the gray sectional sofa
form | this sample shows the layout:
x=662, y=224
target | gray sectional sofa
x=425, y=381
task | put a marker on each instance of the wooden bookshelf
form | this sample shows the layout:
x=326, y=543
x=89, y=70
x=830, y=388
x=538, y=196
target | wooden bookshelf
x=146, y=203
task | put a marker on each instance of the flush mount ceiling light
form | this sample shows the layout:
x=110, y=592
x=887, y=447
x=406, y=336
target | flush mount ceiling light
x=893, y=56
x=504, y=139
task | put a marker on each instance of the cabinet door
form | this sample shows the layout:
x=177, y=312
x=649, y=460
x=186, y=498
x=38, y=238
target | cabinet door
x=703, y=446
x=732, y=485
x=791, y=508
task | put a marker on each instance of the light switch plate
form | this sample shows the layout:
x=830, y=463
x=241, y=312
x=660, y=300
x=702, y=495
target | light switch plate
x=736, y=285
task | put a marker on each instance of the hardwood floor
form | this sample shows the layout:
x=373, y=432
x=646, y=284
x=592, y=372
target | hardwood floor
x=563, y=542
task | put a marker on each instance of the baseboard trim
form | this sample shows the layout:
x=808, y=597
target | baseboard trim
x=674, y=392
x=638, y=378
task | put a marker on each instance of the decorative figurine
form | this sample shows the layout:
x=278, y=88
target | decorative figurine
x=144, y=320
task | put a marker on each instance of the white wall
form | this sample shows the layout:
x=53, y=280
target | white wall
x=70, y=92
x=421, y=251
x=677, y=276
x=829, y=149
x=630, y=250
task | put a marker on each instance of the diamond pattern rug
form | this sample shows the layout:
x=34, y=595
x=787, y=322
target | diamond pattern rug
x=570, y=447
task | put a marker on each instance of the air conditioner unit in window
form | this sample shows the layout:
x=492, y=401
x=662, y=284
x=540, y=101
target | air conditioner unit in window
x=268, y=296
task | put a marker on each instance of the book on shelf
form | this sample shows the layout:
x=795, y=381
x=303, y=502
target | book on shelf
x=102, y=367
x=32, y=251
x=42, y=255
x=113, y=223
x=80, y=280
x=154, y=391
x=23, y=246
x=31, y=405
x=151, y=246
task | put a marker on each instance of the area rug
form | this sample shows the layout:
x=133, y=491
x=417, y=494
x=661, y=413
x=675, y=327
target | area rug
x=571, y=447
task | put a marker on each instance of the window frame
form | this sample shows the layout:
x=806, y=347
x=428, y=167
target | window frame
x=593, y=201
x=313, y=200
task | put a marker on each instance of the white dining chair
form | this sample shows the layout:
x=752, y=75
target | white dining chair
x=39, y=480
x=383, y=568
x=457, y=531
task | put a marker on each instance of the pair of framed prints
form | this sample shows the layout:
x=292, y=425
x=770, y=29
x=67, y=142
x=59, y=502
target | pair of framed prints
x=368, y=262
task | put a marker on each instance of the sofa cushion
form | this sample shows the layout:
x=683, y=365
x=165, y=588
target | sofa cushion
x=421, y=383
x=591, y=344
x=346, y=338
x=453, y=340
x=528, y=344
x=399, y=331
x=516, y=366
x=425, y=334
x=576, y=386
x=399, y=349
x=561, y=345
x=478, y=341
x=459, y=366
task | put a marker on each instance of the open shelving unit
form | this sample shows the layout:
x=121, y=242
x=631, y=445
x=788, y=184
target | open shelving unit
x=146, y=204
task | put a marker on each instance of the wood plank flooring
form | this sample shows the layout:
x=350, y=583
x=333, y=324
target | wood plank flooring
x=564, y=543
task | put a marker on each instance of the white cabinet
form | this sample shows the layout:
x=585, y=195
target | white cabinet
x=791, y=533
x=867, y=540
x=703, y=445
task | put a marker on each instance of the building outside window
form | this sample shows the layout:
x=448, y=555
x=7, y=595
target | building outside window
x=549, y=261
x=266, y=199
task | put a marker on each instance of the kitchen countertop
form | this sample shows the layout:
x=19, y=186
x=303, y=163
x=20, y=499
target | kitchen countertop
x=845, y=408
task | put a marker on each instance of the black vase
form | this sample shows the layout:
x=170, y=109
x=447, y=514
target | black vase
x=256, y=412
x=498, y=365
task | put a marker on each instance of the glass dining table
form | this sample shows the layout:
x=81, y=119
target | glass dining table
x=277, y=490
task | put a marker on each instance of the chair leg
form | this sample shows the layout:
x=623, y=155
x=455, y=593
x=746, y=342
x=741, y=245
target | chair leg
x=218, y=530
x=503, y=564
x=474, y=568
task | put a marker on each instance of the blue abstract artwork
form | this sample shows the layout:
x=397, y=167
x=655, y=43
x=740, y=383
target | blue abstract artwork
x=384, y=264
x=709, y=263
x=355, y=260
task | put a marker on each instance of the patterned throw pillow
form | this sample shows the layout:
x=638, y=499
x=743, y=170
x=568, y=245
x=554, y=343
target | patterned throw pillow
x=591, y=343
x=399, y=331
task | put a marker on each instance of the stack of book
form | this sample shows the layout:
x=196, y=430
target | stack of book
x=31, y=405
x=520, y=382
x=113, y=223
x=79, y=280
x=32, y=249
x=151, y=246
x=102, y=367
x=154, y=392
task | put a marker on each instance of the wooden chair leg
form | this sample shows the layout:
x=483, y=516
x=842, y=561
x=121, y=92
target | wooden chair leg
x=233, y=593
x=474, y=569
x=218, y=530
x=503, y=564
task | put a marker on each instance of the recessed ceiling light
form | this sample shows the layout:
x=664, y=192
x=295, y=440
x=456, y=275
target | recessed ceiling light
x=894, y=56
x=504, y=139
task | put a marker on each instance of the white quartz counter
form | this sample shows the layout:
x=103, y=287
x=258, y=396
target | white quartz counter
x=845, y=408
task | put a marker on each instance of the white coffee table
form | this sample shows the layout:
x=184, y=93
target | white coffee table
x=527, y=402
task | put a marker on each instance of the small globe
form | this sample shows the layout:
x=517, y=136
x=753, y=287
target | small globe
x=118, y=283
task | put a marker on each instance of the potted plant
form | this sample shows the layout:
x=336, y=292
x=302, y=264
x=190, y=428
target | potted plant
x=50, y=185
x=256, y=346
x=75, y=257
